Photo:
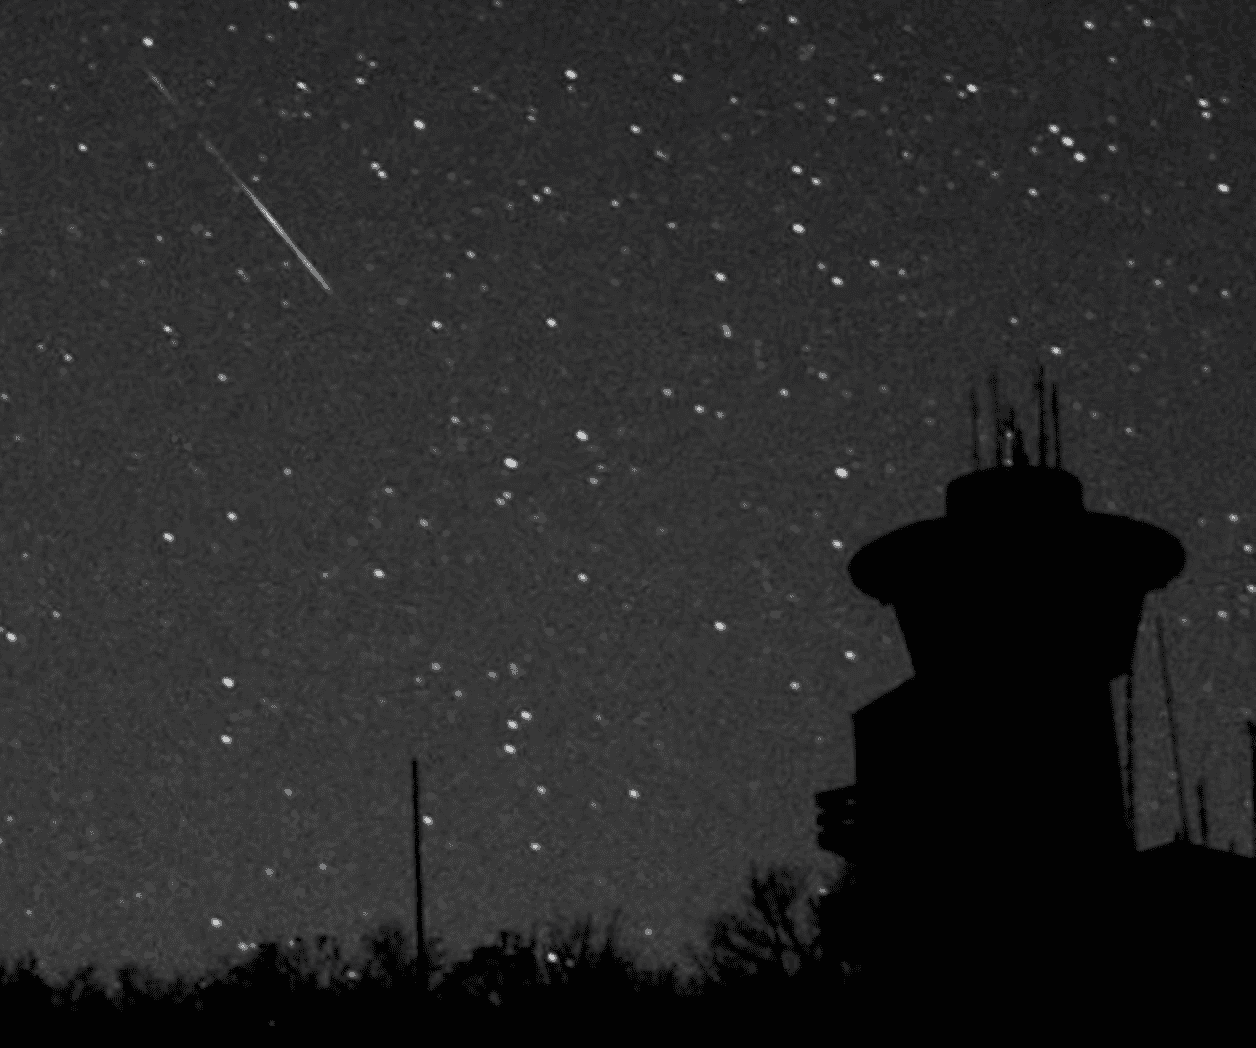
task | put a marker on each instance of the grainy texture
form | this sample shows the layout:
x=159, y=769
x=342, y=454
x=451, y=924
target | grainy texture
x=643, y=319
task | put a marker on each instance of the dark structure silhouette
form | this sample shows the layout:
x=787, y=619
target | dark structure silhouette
x=990, y=831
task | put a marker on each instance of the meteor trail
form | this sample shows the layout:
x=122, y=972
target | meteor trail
x=256, y=203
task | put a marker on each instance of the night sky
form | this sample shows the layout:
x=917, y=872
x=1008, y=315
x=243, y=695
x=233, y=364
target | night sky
x=642, y=319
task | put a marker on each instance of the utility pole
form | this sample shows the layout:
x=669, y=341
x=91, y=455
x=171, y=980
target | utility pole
x=421, y=959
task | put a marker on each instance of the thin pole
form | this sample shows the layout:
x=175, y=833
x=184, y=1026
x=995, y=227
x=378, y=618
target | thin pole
x=421, y=958
x=1203, y=812
x=998, y=421
x=1251, y=734
x=972, y=394
x=1040, y=388
x=1130, y=816
x=1055, y=420
x=1019, y=457
x=1183, y=833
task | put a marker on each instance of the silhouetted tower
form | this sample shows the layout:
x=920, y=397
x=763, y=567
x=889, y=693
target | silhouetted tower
x=991, y=809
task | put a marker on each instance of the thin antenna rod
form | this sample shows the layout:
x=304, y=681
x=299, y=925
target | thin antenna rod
x=1040, y=389
x=1130, y=916
x=1055, y=420
x=1251, y=734
x=421, y=956
x=1130, y=817
x=1203, y=812
x=998, y=422
x=1019, y=457
x=972, y=396
x=1183, y=833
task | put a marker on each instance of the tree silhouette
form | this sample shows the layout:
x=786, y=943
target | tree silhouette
x=135, y=985
x=768, y=944
x=837, y=913
x=388, y=961
x=495, y=974
x=573, y=964
x=24, y=989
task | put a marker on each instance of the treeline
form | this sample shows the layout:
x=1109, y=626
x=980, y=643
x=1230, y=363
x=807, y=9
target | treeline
x=783, y=950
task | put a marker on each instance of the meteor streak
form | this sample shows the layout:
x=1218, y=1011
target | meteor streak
x=209, y=146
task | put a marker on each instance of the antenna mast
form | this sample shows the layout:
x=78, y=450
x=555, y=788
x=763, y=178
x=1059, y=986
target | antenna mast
x=1130, y=817
x=998, y=422
x=1040, y=389
x=1183, y=833
x=1005, y=428
x=1203, y=812
x=1251, y=734
x=1019, y=458
x=1055, y=420
x=972, y=396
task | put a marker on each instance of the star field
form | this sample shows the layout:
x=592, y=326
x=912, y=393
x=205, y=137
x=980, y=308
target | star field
x=507, y=386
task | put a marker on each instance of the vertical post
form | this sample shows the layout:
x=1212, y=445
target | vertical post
x=1203, y=812
x=418, y=882
x=1251, y=734
x=972, y=394
x=1055, y=420
x=1183, y=833
x=1015, y=449
x=1040, y=389
x=1130, y=810
x=998, y=421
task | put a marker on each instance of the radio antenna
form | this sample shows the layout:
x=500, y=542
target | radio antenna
x=1183, y=833
x=972, y=396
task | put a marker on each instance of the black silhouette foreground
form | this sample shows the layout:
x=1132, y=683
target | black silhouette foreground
x=990, y=832
x=991, y=874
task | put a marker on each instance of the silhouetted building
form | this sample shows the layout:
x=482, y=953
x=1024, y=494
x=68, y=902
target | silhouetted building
x=988, y=825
